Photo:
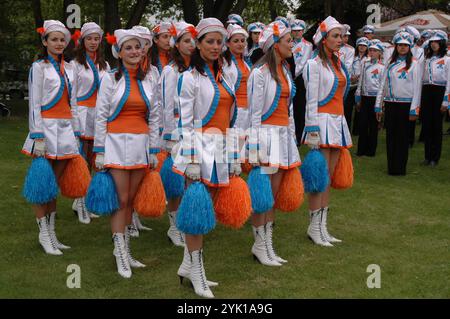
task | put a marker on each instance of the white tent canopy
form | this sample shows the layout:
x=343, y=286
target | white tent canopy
x=430, y=19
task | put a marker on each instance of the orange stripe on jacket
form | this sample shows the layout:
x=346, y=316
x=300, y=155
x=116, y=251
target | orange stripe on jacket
x=133, y=116
x=60, y=110
x=280, y=116
x=241, y=93
x=336, y=104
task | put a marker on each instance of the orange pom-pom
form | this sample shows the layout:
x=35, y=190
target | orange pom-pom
x=291, y=193
x=150, y=200
x=161, y=156
x=75, y=180
x=246, y=167
x=40, y=30
x=343, y=173
x=233, y=203
x=111, y=39
x=276, y=30
x=76, y=36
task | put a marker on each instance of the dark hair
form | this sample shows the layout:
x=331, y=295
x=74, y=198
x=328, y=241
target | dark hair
x=227, y=56
x=324, y=57
x=43, y=54
x=250, y=39
x=198, y=63
x=395, y=56
x=80, y=56
x=441, y=52
x=154, y=52
x=357, y=50
x=178, y=59
x=269, y=58
x=140, y=73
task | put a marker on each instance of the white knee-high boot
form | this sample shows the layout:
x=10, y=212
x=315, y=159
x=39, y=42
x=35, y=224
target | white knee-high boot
x=269, y=239
x=120, y=252
x=137, y=223
x=184, y=271
x=198, y=276
x=51, y=229
x=175, y=236
x=133, y=262
x=315, y=229
x=260, y=249
x=45, y=239
x=79, y=208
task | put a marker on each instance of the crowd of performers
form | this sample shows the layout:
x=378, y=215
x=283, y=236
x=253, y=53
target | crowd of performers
x=188, y=109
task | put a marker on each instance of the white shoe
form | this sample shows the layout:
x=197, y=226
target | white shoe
x=175, y=236
x=134, y=232
x=325, y=232
x=137, y=223
x=315, y=229
x=269, y=239
x=92, y=215
x=45, y=239
x=133, y=262
x=184, y=271
x=198, y=276
x=80, y=210
x=51, y=230
x=260, y=248
x=120, y=252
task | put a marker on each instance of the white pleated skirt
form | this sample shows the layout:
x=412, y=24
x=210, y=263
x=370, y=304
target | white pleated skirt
x=87, y=122
x=334, y=132
x=126, y=151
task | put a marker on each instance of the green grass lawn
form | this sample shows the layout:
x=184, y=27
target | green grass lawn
x=401, y=224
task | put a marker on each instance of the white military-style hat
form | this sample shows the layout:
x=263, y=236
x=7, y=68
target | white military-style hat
x=120, y=37
x=233, y=29
x=208, y=25
x=326, y=26
x=298, y=25
x=235, y=19
x=54, y=26
x=272, y=34
x=179, y=29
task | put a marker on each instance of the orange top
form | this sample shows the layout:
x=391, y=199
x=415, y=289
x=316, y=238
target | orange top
x=133, y=116
x=90, y=102
x=280, y=116
x=163, y=59
x=336, y=104
x=60, y=110
x=221, y=118
x=241, y=93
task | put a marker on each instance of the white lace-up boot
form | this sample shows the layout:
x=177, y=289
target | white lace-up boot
x=80, y=210
x=184, y=271
x=133, y=262
x=269, y=239
x=260, y=249
x=327, y=235
x=198, y=276
x=315, y=229
x=45, y=239
x=51, y=230
x=120, y=252
x=137, y=223
x=175, y=236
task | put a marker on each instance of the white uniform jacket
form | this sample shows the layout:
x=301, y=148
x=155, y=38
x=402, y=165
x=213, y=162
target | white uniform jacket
x=321, y=84
x=418, y=52
x=263, y=95
x=401, y=85
x=369, y=80
x=198, y=97
x=113, y=95
x=437, y=72
x=233, y=72
x=88, y=80
x=347, y=54
x=46, y=86
x=302, y=52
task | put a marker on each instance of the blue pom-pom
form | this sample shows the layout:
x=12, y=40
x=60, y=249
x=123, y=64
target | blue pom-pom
x=196, y=212
x=260, y=191
x=40, y=185
x=315, y=172
x=102, y=197
x=173, y=183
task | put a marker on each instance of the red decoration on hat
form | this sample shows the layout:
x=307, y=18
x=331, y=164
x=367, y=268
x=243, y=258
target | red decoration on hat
x=156, y=29
x=40, y=30
x=323, y=27
x=76, y=36
x=173, y=30
x=111, y=39
x=192, y=31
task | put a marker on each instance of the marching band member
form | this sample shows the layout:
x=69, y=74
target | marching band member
x=400, y=90
x=53, y=120
x=89, y=67
x=302, y=52
x=144, y=33
x=369, y=31
x=347, y=55
x=183, y=46
x=237, y=69
x=270, y=90
x=365, y=96
x=160, y=51
x=253, y=51
x=327, y=83
x=126, y=134
x=436, y=81
x=235, y=19
x=207, y=109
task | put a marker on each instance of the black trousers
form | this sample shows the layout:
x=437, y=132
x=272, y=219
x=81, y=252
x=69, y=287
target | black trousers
x=348, y=107
x=432, y=96
x=368, y=127
x=299, y=107
x=412, y=133
x=397, y=136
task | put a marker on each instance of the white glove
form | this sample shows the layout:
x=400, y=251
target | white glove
x=99, y=161
x=235, y=169
x=39, y=147
x=313, y=140
x=193, y=172
x=153, y=161
x=169, y=145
